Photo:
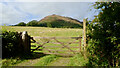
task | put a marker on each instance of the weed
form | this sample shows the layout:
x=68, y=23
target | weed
x=45, y=60
x=78, y=60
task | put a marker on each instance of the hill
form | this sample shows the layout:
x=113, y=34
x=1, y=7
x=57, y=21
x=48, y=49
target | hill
x=59, y=22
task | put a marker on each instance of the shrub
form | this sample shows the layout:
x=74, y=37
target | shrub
x=104, y=37
x=10, y=42
x=32, y=23
x=21, y=24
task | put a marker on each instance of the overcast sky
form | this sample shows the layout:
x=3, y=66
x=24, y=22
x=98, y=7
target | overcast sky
x=15, y=12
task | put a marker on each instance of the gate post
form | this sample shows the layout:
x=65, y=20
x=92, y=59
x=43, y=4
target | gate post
x=26, y=42
x=84, y=32
x=84, y=37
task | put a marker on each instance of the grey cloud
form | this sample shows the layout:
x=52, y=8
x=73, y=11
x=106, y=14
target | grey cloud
x=52, y=0
x=15, y=12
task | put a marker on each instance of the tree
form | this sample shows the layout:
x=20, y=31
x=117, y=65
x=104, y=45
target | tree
x=32, y=23
x=21, y=24
x=49, y=24
x=104, y=34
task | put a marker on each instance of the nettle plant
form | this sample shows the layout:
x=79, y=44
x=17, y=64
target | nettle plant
x=103, y=35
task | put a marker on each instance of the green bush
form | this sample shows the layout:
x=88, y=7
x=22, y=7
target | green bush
x=104, y=35
x=42, y=24
x=59, y=24
x=10, y=42
x=21, y=24
x=32, y=23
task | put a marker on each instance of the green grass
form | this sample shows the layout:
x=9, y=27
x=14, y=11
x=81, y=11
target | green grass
x=17, y=60
x=45, y=31
x=78, y=60
x=11, y=61
x=48, y=32
x=46, y=60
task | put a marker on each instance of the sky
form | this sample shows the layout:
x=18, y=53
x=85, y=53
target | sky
x=14, y=12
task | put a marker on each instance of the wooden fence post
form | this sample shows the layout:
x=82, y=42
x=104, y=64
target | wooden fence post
x=84, y=32
x=84, y=37
x=26, y=42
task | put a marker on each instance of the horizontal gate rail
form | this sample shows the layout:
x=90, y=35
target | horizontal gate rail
x=59, y=46
x=64, y=54
x=57, y=37
x=59, y=50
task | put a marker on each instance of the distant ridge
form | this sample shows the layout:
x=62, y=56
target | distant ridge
x=59, y=22
x=54, y=21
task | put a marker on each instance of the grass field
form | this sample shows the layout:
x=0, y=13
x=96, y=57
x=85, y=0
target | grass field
x=47, y=32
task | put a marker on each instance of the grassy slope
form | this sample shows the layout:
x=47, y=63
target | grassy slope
x=48, y=32
x=60, y=21
x=54, y=17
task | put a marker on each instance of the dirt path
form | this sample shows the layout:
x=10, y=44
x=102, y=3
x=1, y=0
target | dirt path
x=62, y=61
x=28, y=62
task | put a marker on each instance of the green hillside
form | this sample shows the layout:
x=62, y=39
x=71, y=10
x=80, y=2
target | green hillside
x=57, y=21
